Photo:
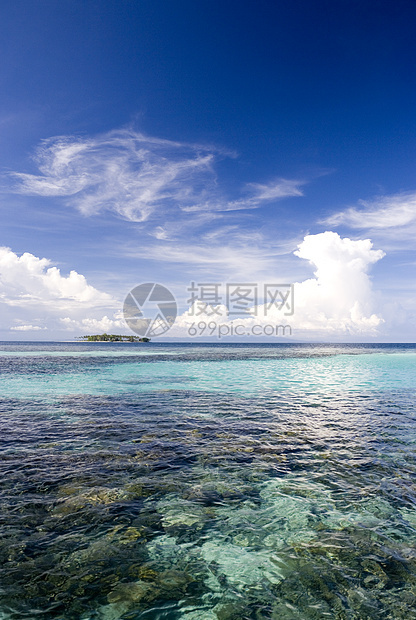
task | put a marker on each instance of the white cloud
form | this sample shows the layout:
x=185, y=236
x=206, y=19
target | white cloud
x=27, y=279
x=339, y=298
x=281, y=188
x=159, y=233
x=27, y=328
x=135, y=176
x=34, y=296
x=103, y=325
x=225, y=253
x=337, y=302
x=383, y=212
x=255, y=195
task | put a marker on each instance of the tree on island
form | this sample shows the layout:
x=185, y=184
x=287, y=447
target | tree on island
x=113, y=338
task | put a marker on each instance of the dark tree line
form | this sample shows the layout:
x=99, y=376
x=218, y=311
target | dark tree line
x=113, y=338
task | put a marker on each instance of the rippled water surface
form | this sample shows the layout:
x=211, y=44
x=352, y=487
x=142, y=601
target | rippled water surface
x=151, y=481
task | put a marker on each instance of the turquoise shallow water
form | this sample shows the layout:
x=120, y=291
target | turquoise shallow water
x=207, y=482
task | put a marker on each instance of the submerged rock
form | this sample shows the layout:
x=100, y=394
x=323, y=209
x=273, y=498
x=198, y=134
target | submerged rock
x=232, y=609
x=124, y=536
x=186, y=519
x=181, y=514
x=199, y=614
x=132, y=592
x=94, y=496
x=113, y=611
x=409, y=516
x=98, y=552
x=363, y=603
x=204, y=495
x=241, y=567
x=286, y=611
x=173, y=579
x=136, y=490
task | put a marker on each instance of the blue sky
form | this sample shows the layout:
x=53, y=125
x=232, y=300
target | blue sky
x=204, y=141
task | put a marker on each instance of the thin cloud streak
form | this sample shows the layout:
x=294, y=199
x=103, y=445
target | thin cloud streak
x=281, y=188
x=382, y=212
x=139, y=177
x=223, y=254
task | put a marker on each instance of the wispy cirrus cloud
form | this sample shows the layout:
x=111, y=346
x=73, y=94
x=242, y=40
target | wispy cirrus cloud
x=255, y=194
x=382, y=212
x=27, y=328
x=275, y=190
x=138, y=177
x=226, y=252
x=220, y=261
x=390, y=220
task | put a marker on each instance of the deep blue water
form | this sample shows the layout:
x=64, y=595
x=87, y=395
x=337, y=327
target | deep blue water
x=207, y=482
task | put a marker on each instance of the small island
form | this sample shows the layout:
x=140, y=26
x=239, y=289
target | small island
x=113, y=338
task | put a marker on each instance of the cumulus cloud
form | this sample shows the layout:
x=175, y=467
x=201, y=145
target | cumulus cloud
x=135, y=176
x=382, y=212
x=27, y=279
x=34, y=296
x=337, y=302
x=339, y=298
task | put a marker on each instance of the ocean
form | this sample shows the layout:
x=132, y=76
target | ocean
x=207, y=482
